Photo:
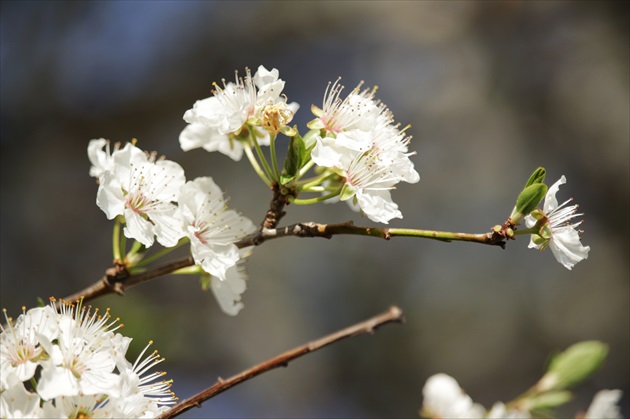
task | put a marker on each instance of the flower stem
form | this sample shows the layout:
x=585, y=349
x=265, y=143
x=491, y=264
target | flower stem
x=309, y=201
x=256, y=166
x=533, y=230
x=158, y=255
x=274, y=159
x=116, y=240
x=261, y=156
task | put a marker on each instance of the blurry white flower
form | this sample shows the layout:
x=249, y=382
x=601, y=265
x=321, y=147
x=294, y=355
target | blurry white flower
x=143, y=190
x=83, y=368
x=17, y=402
x=20, y=342
x=556, y=230
x=443, y=398
x=604, y=405
x=211, y=227
x=501, y=411
x=101, y=159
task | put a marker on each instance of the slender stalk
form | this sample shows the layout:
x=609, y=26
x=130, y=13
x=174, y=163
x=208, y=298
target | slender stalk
x=533, y=230
x=274, y=159
x=309, y=201
x=116, y=240
x=262, y=157
x=393, y=315
x=158, y=255
x=304, y=169
x=252, y=160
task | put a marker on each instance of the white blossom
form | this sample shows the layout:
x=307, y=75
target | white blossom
x=211, y=227
x=21, y=347
x=443, y=398
x=359, y=110
x=144, y=191
x=604, y=405
x=214, y=122
x=84, y=372
x=556, y=230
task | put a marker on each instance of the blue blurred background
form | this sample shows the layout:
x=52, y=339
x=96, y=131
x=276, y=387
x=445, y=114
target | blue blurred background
x=492, y=90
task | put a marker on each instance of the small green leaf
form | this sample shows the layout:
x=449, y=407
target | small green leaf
x=295, y=155
x=346, y=192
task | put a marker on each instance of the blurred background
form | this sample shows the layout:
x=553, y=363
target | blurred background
x=492, y=90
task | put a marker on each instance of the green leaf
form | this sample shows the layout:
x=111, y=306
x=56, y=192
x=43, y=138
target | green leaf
x=295, y=156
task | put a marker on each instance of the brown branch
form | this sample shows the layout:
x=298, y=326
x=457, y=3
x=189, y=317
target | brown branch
x=393, y=315
x=327, y=231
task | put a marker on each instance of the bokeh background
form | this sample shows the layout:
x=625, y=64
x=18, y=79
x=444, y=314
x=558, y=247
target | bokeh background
x=492, y=90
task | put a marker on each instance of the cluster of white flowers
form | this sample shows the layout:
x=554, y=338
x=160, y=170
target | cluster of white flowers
x=72, y=363
x=215, y=123
x=555, y=229
x=444, y=398
x=362, y=145
x=157, y=202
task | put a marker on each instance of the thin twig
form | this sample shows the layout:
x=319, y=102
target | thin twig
x=327, y=231
x=393, y=315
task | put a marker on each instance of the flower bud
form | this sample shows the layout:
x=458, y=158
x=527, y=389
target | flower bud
x=537, y=177
x=573, y=365
x=527, y=201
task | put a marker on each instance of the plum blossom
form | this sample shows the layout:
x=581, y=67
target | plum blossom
x=84, y=372
x=144, y=191
x=216, y=122
x=359, y=110
x=211, y=227
x=604, y=405
x=555, y=229
x=370, y=164
x=443, y=398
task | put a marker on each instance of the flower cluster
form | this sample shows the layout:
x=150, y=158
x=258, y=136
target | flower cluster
x=216, y=123
x=361, y=153
x=72, y=363
x=360, y=143
x=156, y=202
x=443, y=398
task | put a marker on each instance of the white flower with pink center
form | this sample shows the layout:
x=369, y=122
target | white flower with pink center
x=211, y=227
x=144, y=191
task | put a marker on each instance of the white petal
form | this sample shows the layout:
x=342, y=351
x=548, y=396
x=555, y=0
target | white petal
x=551, y=202
x=228, y=292
x=567, y=247
x=378, y=206
x=137, y=228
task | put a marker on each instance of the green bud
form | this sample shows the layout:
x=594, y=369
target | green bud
x=537, y=177
x=573, y=365
x=295, y=156
x=527, y=201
